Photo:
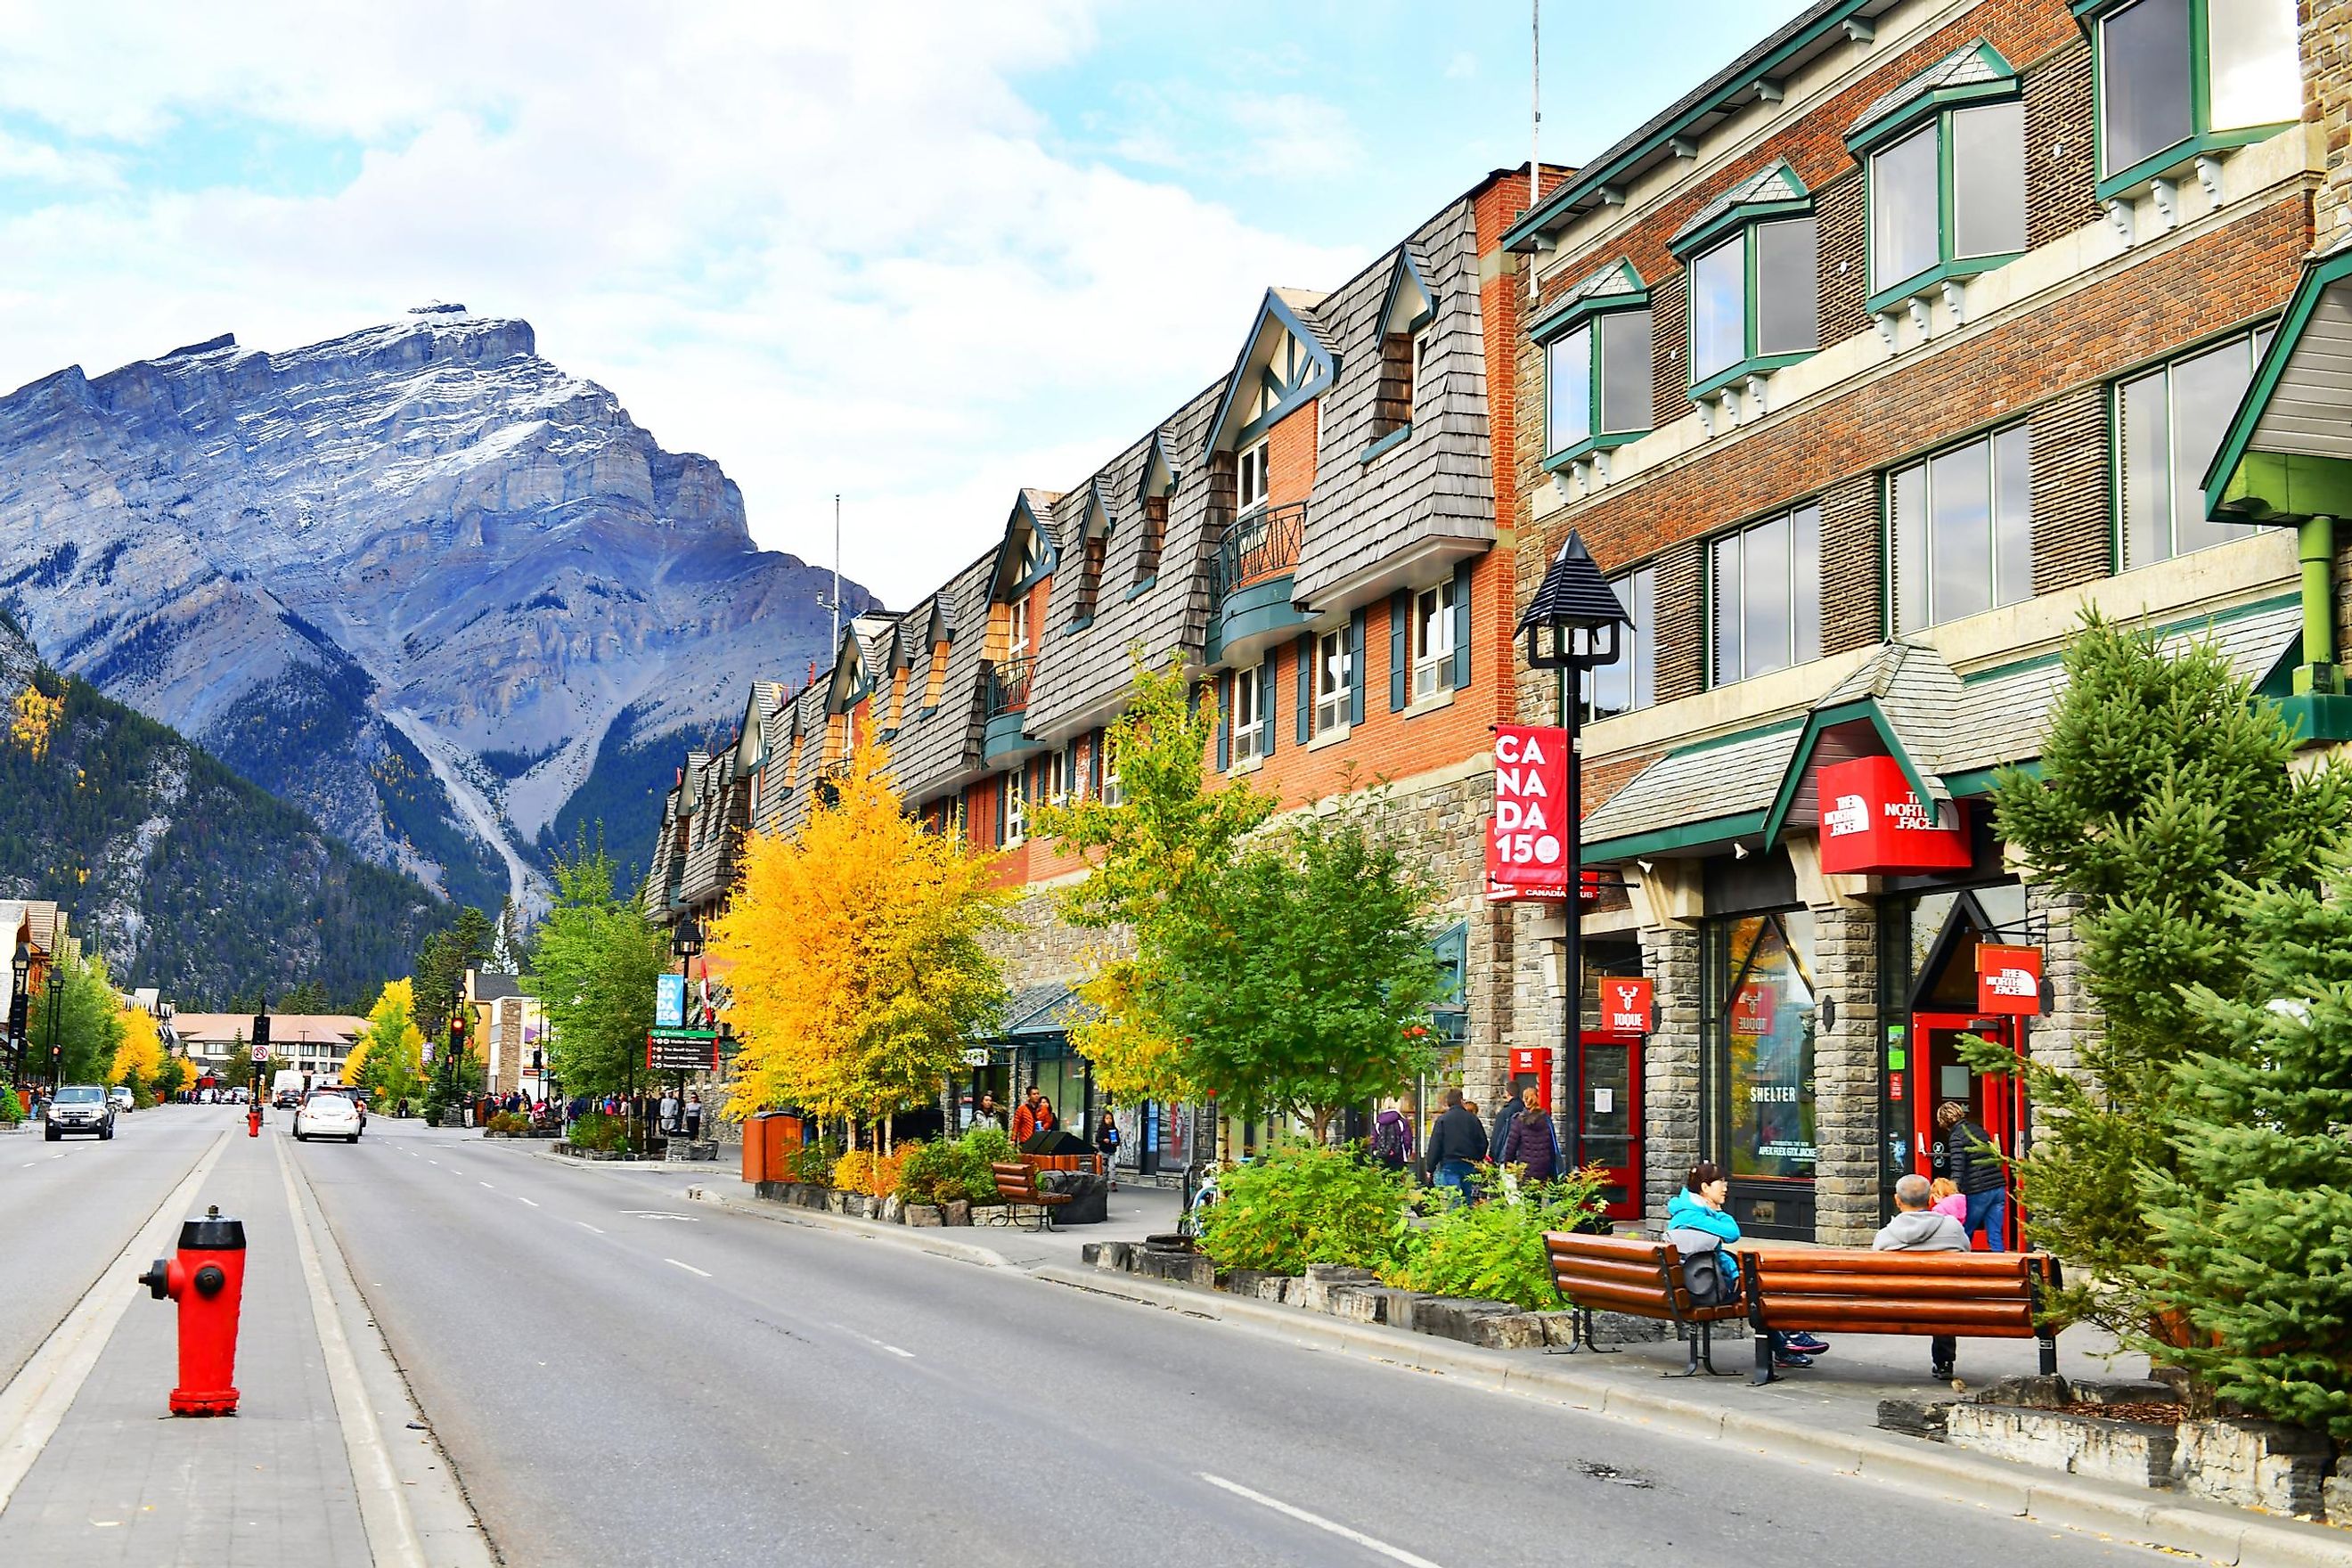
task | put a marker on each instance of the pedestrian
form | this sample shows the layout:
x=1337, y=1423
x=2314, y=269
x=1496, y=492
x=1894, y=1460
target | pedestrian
x=1917, y=1227
x=1505, y=1114
x=988, y=1115
x=694, y=1116
x=669, y=1110
x=1106, y=1145
x=1393, y=1135
x=1972, y=1159
x=1699, y=1225
x=1947, y=1199
x=1533, y=1143
x=1456, y=1144
x=1035, y=1115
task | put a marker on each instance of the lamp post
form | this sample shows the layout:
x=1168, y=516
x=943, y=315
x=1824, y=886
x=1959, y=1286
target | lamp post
x=56, y=993
x=1571, y=626
x=20, y=966
x=685, y=942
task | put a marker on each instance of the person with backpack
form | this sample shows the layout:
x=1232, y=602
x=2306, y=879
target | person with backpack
x=1533, y=1142
x=1972, y=1159
x=1700, y=1227
x=1393, y=1136
x=1456, y=1145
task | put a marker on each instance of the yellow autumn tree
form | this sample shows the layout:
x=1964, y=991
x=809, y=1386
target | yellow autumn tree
x=36, y=718
x=387, y=1060
x=856, y=965
x=139, y=1056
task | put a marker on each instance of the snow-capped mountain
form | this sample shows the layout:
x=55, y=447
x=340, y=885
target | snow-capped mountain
x=448, y=599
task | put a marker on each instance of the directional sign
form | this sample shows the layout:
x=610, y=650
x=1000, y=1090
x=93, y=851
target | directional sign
x=677, y=1054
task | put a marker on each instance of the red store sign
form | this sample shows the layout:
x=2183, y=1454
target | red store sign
x=2008, y=980
x=1752, y=1007
x=1526, y=842
x=1872, y=822
x=1625, y=1004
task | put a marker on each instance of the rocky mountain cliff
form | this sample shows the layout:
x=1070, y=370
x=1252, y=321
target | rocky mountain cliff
x=183, y=875
x=452, y=602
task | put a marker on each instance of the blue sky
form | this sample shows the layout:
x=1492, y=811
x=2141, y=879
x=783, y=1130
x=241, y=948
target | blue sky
x=919, y=253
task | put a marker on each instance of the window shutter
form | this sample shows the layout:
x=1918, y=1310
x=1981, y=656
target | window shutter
x=1225, y=723
x=1266, y=687
x=1355, y=667
x=1094, y=766
x=1001, y=780
x=1460, y=625
x=1070, y=775
x=1304, y=652
x=1400, y=650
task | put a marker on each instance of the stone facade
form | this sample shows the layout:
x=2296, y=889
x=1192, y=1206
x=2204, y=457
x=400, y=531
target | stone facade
x=1670, y=1067
x=1846, y=1077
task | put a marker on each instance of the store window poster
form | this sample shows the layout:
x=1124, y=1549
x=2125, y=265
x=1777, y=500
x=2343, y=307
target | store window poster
x=1768, y=1015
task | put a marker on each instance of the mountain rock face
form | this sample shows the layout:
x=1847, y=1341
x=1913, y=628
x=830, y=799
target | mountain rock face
x=451, y=602
x=183, y=875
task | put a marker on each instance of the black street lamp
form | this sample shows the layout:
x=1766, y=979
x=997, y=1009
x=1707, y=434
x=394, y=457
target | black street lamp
x=56, y=990
x=19, y=1003
x=686, y=942
x=1571, y=626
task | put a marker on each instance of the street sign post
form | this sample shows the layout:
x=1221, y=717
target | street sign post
x=682, y=1050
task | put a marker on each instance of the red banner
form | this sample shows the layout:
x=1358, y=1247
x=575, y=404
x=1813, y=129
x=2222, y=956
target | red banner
x=2008, y=980
x=1625, y=1004
x=1526, y=839
x=1752, y=1007
x=1871, y=821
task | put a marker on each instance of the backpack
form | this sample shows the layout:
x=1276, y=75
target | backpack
x=1388, y=1140
x=1710, y=1278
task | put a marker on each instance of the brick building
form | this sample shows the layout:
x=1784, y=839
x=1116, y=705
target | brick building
x=1319, y=535
x=1862, y=369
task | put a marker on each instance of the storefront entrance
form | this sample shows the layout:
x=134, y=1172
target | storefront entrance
x=1936, y=1073
x=1608, y=1118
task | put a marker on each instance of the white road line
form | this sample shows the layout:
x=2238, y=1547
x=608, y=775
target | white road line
x=586, y=1226
x=877, y=1345
x=524, y=1200
x=487, y=1184
x=690, y=1267
x=432, y=1162
x=1393, y=1553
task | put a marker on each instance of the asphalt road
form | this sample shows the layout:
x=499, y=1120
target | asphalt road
x=67, y=1207
x=623, y=1378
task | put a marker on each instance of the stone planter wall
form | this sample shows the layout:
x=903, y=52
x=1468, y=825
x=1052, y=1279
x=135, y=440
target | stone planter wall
x=858, y=1205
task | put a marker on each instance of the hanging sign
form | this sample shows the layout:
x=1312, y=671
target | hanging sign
x=1526, y=844
x=1872, y=822
x=1751, y=1009
x=669, y=1001
x=2008, y=980
x=1625, y=1004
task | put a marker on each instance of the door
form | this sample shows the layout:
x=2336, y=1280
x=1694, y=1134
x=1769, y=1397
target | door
x=1995, y=1101
x=1608, y=1118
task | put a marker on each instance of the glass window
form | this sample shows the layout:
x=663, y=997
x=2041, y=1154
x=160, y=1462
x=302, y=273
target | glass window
x=1423, y=343
x=2155, y=102
x=2255, y=78
x=1611, y=397
x=1249, y=713
x=2144, y=94
x=1568, y=382
x=1902, y=208
x=1962, y=529
x=1765, y=1013
x=2169, y=424
x=1631, y=681
x=1788, y=277
x=1335, y=681
x=1719, y=308
x=1016, y=807
x=1989, y=179
x=1433, y=640
x=1765, y=583
x=1113, y=793
x=1249, y=489
x=1016, y=629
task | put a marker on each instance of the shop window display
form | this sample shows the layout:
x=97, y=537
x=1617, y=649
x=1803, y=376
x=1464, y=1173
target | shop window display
x=1765, y=1013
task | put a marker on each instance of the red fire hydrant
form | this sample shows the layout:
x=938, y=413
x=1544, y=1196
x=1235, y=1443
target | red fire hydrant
x=207, y=1279
x=253, y=1120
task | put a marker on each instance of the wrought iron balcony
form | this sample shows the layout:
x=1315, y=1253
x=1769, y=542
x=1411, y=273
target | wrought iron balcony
x=1008, y=686
x=1261, y=545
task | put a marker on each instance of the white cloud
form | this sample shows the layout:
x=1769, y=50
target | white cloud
x=827, y=244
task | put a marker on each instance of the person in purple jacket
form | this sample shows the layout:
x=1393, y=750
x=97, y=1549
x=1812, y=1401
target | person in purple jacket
x=1532, y=1143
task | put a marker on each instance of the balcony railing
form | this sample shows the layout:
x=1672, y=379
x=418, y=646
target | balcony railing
x=1008, y=686
x=1261, y=545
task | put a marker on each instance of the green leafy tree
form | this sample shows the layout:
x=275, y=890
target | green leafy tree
x=1298, y=980
x=88, y=1020
x=2252, y=1221
x=597, y=956
x=2163, y=785
x=442, y=960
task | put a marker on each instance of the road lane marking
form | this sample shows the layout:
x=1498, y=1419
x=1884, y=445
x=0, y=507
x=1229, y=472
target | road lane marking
x=33, y=1405
x=487, y=1184
x=586, y=1226
x=877, y=1345
x=1393, y=1553
x=524, y=1200
x=690, y=1267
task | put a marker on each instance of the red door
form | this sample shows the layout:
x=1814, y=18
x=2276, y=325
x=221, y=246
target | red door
x=1608, y=1118
x=1995, y=1101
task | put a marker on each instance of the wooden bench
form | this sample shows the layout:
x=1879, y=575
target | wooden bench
x=1016, y=1184
x=1639, y=1278
x=1854, y=1289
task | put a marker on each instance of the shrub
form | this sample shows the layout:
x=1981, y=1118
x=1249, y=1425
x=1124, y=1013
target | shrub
x=811, y=1163
x=984, y=1146
x=509, y=1122
x=941, y=1172
x=1494, y=1250
x=599, y=1132
x=11, y=1110
x=854, y=1171
x=1303, y=1204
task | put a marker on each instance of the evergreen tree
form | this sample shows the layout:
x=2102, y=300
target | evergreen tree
x=2162, y=782
x=2254, y=1223
x=442, y=961
x=596, y=959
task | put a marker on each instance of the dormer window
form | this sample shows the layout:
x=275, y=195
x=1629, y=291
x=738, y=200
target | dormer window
x=1016, y=630
x=1946, y=155
x=1250, y=479
x=1753, y=279
x=1597, y=382
x=2179, y=79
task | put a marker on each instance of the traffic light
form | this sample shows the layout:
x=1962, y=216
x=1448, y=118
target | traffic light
x=261, y=1029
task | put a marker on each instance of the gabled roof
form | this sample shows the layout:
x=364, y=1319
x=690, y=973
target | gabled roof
x=1033, y=516
x=1283, y=313
x=1614, y=286
x=1770, y=190
x=1901, y=704
x=2286, y=454
x=1158, y=472
x=1968, y=73
x=1409, y=303
x=1097, y=516
x=849, y=680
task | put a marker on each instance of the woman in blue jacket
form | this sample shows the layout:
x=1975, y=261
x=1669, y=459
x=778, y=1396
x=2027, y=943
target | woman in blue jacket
x=1696, y=1222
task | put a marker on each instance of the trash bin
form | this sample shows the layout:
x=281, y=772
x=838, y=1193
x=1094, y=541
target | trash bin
x=756, y=1168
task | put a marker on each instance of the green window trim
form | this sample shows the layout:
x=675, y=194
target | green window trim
x=1755, y=364
x=1598, y=438
x=1580, y=450
x=2203, y=140
x=1934, y=103
x=1949, y=268
x=1386, y=444
x=1566, y=318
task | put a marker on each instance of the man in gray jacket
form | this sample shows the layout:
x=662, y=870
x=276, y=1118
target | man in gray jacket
x=1915, y=1227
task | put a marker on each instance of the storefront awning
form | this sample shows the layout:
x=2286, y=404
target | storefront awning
x=2287, y=456
x=1044, y=1012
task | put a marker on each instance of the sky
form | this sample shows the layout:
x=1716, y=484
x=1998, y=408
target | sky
x=916, y=254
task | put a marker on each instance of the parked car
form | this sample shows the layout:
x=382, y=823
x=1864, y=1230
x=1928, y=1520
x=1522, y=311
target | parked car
x=329, y=1113
x=78, y=1108
x=119, y=1098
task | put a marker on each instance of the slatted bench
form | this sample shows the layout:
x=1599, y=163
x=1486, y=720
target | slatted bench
x=1016, y=1184
x=1854, y=1289
x=1639, y=1278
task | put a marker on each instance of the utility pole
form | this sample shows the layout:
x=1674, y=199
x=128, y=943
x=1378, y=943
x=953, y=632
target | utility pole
x=836, y=571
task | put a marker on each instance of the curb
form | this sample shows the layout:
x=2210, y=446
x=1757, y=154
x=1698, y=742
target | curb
x=2159, y=1520
x=915, y=1239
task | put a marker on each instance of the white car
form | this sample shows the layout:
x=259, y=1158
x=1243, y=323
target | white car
x=328, y=1113
x=119, y=1098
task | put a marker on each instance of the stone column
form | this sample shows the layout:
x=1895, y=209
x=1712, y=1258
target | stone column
x=1846, y=1065
x=1670, y=1058
x=2059, y=1038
